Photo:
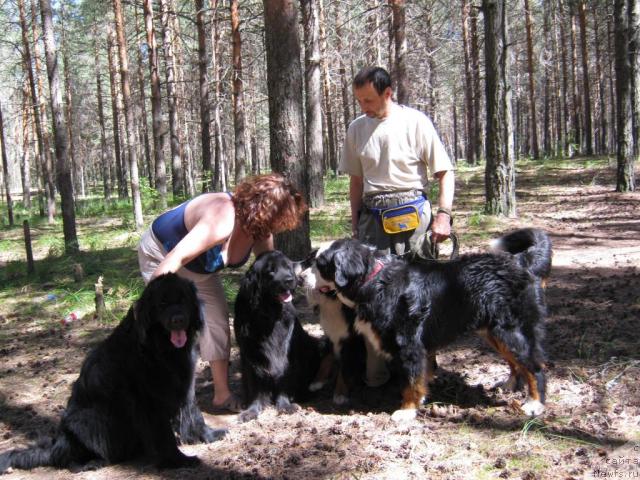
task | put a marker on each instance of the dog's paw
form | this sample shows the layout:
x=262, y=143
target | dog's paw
x=339, y=399
x=288, y=409
x=210, y=435
x=316, y=386
x=248, y=415
x=532, y=408
x=404, y=415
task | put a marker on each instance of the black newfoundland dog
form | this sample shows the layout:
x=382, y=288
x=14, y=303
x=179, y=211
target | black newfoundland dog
x=279, y=359
x=131, y=386
x=409, y=310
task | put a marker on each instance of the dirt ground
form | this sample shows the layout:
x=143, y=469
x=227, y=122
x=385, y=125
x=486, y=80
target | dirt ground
x=591, y=428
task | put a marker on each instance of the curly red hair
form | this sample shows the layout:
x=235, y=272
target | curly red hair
x=267, y=204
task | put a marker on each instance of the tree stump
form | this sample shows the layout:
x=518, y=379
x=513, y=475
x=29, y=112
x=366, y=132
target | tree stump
x=100, y=306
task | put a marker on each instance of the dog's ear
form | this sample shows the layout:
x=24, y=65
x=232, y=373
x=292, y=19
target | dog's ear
x=348, y=266
x=141, y=319
x=250, y=285
x=196, y=312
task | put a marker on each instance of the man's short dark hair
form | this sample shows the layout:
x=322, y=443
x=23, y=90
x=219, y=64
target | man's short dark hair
x=377, y=76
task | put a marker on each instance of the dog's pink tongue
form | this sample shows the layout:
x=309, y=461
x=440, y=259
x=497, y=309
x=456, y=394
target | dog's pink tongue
x=285, y=297
x=178, y=338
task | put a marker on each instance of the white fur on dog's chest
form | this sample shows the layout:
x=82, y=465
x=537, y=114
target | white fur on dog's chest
x=364, y=328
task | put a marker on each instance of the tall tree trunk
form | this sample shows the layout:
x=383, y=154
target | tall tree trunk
x=587, y=141
x=633, y=14
x=332, y=155
x=477, y=93
x=156, y=106
x=177, y=172
x=613, y=115
x=469, y=151
x=564, y=91
x=345, y=84
x=625, y=179
x=219, y=173
x=104, y=157
x=143, y=100
x=5, y=168
x=546, y=122
x=63, y=175
x=203, y=82
x=575, y=103
x=601, y=138
x=284, y=82
x=532, y=89
x=500, y=167
x=239, y=122
x=374, y=52
x=76, y=170
x=313, y=101
x=26, y=150
x=400, y=43
x=116, y=110
x=128, y=115
x=39, y=110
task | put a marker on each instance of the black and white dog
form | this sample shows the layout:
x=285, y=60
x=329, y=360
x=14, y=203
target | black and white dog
x=279, y=359
x=409, y=310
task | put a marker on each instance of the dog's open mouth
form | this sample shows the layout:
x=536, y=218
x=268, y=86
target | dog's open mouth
x=285, y=297
x=178, y=338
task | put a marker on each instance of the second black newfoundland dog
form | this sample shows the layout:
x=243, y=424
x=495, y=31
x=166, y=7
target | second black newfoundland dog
x=279, y=359
x=409, y=310
x=131, y=386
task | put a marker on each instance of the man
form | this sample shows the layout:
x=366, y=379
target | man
x=388, y=153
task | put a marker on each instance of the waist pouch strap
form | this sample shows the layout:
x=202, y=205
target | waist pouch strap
x=400, y=218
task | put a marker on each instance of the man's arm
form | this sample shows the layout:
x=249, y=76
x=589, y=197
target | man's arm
x=441, y=227
x=356, y=187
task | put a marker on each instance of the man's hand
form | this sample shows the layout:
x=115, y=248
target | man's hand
x=441, y=227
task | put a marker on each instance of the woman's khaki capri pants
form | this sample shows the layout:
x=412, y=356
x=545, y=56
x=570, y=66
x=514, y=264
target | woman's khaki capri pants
x=214, y=340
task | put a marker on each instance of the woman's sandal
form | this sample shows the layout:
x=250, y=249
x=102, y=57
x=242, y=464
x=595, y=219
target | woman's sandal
x=233, y=404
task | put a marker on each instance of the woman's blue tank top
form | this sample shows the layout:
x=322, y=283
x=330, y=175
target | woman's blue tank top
x=169, y=228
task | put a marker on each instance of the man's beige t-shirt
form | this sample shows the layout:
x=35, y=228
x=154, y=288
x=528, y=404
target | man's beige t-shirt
x=394, y=153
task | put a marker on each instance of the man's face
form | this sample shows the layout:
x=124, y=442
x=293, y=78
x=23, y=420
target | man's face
x=372, y=103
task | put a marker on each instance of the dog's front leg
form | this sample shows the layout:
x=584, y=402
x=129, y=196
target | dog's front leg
x=161, y=444
x=254, y=409
x=415, y=392
x=284, y=405
x=190, y=424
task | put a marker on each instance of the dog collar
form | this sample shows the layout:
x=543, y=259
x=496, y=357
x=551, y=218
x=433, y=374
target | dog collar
x=376, y=269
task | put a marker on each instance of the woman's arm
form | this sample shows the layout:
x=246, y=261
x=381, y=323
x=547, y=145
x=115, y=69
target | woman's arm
x=214, y=225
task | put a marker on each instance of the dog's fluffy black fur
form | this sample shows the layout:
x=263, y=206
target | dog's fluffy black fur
x=279, y=359
x=408, y=310
x=130, y=387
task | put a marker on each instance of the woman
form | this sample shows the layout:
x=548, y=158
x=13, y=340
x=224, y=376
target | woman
x=208, y=233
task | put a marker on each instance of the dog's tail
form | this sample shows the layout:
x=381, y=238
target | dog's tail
x=57, y=453
x=531, y=247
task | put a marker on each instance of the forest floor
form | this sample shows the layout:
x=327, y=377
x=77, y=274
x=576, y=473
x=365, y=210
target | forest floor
x=590, y=429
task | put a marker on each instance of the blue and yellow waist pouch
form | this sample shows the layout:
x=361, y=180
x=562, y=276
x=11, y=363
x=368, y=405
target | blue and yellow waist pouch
x=401, y=218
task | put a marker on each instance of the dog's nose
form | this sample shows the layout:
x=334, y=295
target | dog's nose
x=178, y=319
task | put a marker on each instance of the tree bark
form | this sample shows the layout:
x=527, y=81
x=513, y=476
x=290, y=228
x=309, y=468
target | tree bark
x=203, y=83
x=219, y=173
x=374, y=53
x=128, y=115
x=39, y=110
x=156, y=107
x=5, y=168
x=477, y=93
x=284, y=82
x=63, y=175
x=143, y=100
x=500, y=166
x=469, y=151
x=587, y=138
x=116, y=111
x=313, y=101
x=400, y=43
x=177, y=173
x=239, y=122
x=625, y=178
x=535, y=151
x=332, y=155
x=26, y=150
x=601, y=136
x=104, y=157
